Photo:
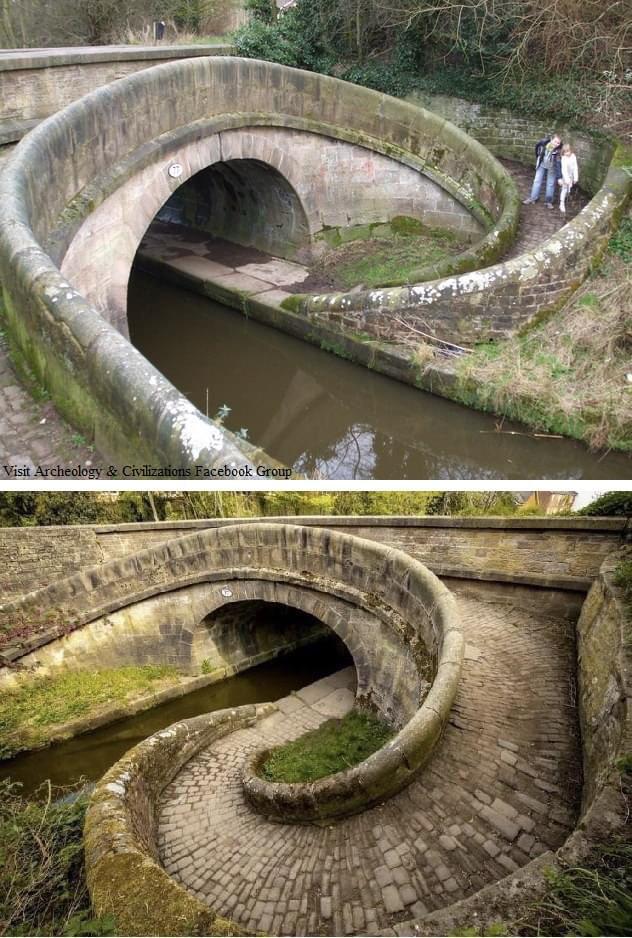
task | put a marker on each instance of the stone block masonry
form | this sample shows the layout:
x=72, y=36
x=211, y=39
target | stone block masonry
x=36, y=83
x=562, y=553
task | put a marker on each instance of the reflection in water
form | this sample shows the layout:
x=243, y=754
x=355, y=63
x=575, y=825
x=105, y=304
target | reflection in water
x=89, y=756
x=327, y=417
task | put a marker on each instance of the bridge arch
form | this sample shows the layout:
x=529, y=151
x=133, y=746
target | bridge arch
x=247, y=200
x=61, y=184
x=393, y=614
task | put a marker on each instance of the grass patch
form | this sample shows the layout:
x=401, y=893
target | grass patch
x=569, y=374
x=31, y=711
x=336, y=745
x=379, y=260
x=43, y=887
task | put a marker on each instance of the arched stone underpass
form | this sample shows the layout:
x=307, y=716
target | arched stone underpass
x=245, y=201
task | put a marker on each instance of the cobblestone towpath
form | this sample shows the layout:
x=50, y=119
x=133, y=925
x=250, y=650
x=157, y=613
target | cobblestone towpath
x=32, y=433
x=501, y=788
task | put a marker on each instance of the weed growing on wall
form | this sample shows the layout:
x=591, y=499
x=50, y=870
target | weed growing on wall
x=594, y=898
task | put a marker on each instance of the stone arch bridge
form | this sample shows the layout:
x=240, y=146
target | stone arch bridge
x=453, y=821
x=285, y=156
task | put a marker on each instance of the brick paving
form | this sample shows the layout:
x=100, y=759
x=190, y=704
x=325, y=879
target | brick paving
x=501, y=788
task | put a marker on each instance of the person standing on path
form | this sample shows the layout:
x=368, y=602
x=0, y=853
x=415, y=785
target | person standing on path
x=547, y=163
x=570, y=174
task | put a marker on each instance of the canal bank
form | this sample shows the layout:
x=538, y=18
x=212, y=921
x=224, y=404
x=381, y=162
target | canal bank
x=322, y=414
x=86, y=749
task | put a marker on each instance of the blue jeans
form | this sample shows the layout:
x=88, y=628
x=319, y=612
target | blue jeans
x=551, y=179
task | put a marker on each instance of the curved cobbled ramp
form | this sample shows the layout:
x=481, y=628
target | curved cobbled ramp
x=501, y=789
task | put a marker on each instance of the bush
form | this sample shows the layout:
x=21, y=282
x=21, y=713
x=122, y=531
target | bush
x=42, y=874
x=610, y=505
x=593, y=899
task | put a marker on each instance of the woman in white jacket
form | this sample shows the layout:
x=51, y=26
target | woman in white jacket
x=570, y=174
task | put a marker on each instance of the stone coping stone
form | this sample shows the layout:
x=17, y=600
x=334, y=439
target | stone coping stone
x=23, y=59
x=535, y=523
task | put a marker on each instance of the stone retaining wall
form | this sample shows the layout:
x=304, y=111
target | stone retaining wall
x=555, y=553
x=604, y=661
x=514, y=136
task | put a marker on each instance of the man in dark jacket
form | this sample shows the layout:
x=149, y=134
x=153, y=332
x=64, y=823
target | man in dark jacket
x=547, y=163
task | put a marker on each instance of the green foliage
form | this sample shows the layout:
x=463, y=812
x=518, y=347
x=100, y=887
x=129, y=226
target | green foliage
x=621, y=241
x=261, y=10
x=28, y=711
x=623, y=578
x=474, y=503
x=42, y=876
x=610, y=505
x=594, y=899
x=336, y=745
x=206, y=667
x=444, y=49
x=25, y=509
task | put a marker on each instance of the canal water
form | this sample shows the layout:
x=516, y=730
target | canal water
x=89, y=756
x=329, y=418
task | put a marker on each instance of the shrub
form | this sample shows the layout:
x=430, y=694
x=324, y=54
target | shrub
x=42, y=874
x=612, y=504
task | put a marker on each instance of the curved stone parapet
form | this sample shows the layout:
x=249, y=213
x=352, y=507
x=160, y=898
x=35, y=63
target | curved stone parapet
x=392, y=767
x=390, y=610
x=125, y=876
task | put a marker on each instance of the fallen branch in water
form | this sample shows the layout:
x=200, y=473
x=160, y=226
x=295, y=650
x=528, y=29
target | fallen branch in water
x=544, y=436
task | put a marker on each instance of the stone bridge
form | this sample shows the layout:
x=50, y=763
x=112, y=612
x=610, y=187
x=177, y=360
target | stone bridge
x=454, y=821
x=286, y=156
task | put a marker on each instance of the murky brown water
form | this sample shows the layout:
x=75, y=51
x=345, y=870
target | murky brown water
x=330, y=418
x=89, y=756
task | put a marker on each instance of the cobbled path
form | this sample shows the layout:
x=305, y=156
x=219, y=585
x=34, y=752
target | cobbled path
x=501, y=788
